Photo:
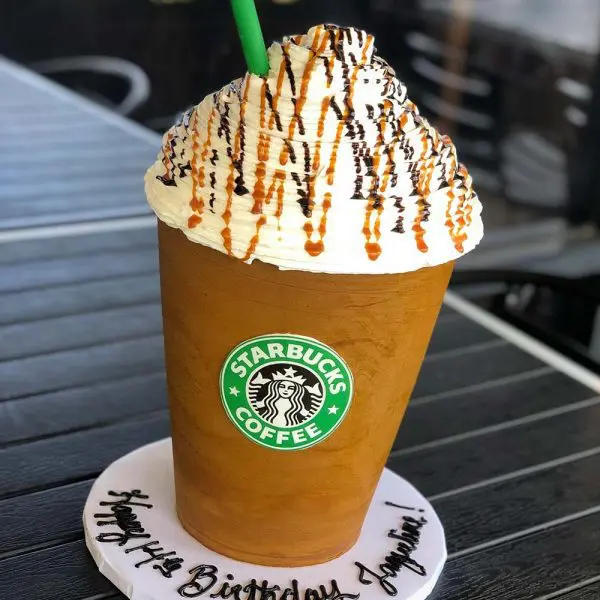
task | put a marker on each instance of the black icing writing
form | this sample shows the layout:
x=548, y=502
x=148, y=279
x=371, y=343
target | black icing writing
x=388, y=503
x=121, y=514
x=169, y=561
x=123, y=517
x=407, y=539
x=206, y=580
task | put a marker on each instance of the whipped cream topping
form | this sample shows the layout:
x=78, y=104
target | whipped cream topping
x=324, y=165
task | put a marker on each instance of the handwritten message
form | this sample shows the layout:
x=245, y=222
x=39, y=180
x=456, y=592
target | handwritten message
x=127, y=531
x=406, y=538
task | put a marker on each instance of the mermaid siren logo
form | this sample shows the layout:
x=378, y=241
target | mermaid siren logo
x=285, y=392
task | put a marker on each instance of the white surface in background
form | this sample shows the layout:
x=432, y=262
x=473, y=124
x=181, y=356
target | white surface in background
x=573, y=24
x=150, y=469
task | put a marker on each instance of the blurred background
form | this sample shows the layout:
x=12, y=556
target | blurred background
x=516, y=83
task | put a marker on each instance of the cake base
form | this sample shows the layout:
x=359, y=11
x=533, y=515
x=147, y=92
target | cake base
x=134, y=535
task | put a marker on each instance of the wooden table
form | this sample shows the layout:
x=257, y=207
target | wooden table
x=502, y=435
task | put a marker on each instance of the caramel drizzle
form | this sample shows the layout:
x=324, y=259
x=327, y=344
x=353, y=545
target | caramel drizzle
x=375, y=202
x=264, y=143
x=254, y=241
x=316, y=159
x=258, y=193
x=205, y=147
x=263, y=103
x=316, y=248
x=317, y=47
x=280, y=176
x=423, y=191
x=348, y=108
x=275, y=99
x=299, y=103
x=229, y=187
x=196, y=203
x=320, y=130
x=463, y=210
x=425, y=177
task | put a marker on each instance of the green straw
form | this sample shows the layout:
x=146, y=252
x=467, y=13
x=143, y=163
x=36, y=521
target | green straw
x=253, y=43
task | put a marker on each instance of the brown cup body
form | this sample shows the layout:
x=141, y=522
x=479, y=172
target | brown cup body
x=256, y=504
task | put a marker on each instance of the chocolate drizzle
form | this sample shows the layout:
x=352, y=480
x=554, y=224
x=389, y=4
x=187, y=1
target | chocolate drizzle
x=288, y=70
x=274, y=112
x=224, y=128
x=290, y=150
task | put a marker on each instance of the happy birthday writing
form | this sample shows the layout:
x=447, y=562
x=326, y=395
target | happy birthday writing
x=203, y=579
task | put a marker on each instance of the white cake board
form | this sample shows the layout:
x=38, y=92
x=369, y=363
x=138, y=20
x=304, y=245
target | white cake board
x=177, y=566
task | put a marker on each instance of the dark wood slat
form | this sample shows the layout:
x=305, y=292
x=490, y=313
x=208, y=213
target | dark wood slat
x=77, y=246
x=469, y=411
x=64, y=271
x=98, y=135
x=84, y=167
x=469, y=461
x=39, y=127
x=92, y=201
x=84, y=190
x=79, y=331
x=82, y=153
x=78, y=298
x=586, y=592
x=470, y=368
x=457, y=333
x=76, y=456
x=63, y=370
x=80, y=407
x=33, y=520
x=66, y=572
x=506, y=508
x=129, y=207
x=528, y=568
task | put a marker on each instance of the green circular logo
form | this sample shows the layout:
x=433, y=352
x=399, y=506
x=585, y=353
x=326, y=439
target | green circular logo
x=285, y=392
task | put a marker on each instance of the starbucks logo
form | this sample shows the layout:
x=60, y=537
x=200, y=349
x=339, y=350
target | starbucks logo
x=286, y=392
